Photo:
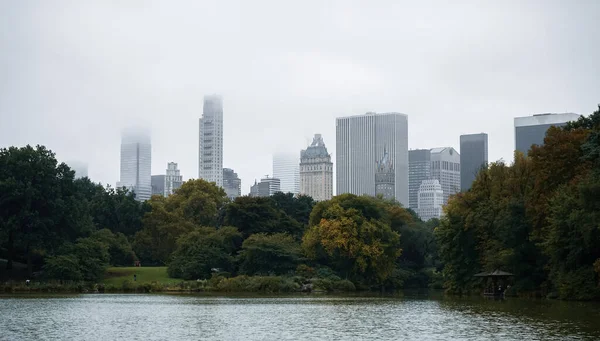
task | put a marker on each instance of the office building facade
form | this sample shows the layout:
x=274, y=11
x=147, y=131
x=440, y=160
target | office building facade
x=363, y=140
x=316, y=170
x=473, y=156
x=286, y=168
x=419, y=169
x=232, y=184
x=530, y=130
x=430, y=200
x=173, y=179
x=136, y=161
x=266, y=187
x=445, y=167
x=210, y=158
x=158, y=184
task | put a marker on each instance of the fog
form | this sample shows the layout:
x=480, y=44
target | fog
x=74, y=74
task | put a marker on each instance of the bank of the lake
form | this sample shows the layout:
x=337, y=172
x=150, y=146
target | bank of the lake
x=210, y=317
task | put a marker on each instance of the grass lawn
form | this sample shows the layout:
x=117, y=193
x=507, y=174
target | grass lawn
x=116, y=275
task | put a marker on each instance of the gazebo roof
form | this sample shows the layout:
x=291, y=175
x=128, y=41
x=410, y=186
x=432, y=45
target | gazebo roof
x=495, y=273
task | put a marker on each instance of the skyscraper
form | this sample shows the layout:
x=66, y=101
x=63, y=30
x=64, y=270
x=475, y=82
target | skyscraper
x=419, y=169
x=286, y=167
x=361, y=141
x=158, y=184
x=210, y=158
x=431, y=200
x=316, y=170
x=473, y=156
x=385, y=177
x=136, y=160
x=531, y=130
x=231, y=183
x=173, y=180
x=266, y=187
x=445, y=167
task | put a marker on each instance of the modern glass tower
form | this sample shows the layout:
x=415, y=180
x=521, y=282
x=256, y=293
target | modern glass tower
x=210, y=151
x=136, y=160
x=419, y=170
x=473, y=156
x=530, y=130
x=361, y=142
x=286, y=167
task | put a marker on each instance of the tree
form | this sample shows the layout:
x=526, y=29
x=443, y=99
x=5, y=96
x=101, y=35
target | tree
x=264, y=254
x=352, y=241
x=252, y=215
x=38, y=203
x=198, y=202
x=296, y=207
x=203, y=249
x=119, y=249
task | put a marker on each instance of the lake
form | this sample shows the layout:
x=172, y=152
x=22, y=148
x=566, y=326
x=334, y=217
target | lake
x=194, y=317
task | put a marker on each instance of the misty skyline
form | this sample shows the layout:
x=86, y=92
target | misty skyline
x=74, y=74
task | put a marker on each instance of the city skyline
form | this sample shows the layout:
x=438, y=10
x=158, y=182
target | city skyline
x=61, y=86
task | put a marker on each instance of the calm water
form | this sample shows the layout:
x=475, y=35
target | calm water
x=183, y=317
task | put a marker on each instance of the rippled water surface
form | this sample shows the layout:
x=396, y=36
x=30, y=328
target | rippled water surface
x=184, y=317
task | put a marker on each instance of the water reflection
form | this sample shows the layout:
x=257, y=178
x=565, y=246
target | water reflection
x=161, y=317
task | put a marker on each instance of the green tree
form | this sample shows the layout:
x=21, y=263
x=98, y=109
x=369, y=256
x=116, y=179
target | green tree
x=264, y=254
x=119, y=249
x=203, y=249
x=352, y=240
x=297, y=207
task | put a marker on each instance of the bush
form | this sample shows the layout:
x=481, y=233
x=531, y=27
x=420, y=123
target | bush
x=63, y=267
x=269, y=254
x=263, y=284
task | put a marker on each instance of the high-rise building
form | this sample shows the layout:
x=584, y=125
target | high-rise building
x=232, y=184
x=286, y=167
x=80, y=169
x=431, y=200
x=473, y=156
x=419, y=169
x=445, y=167
x=385, y=177
x=136, y=161
x=266, y=187
x=210, y=165
x=173, y=180
x=530, y=130
x=316, y=170
x=363, y=140
x=158, y=184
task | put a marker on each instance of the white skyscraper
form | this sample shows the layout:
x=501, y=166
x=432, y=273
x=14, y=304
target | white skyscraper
x=286, y=168
x=361, y=142
x=136, y=160
x=445, y=167
x=210, y=152
x=431, y=200
x=173, y=179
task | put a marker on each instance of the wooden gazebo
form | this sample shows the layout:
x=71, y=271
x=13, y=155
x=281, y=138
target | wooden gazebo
x=495, y=282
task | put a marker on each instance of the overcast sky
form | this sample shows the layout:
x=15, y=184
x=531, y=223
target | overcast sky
x=74, y=73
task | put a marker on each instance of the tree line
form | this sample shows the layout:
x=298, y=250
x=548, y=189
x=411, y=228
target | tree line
x=538, y=218
x=73, y=229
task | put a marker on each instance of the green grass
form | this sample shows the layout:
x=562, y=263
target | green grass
x=116, y=276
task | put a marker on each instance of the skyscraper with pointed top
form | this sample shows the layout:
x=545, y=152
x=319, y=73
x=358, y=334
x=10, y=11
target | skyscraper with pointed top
x=316, y=170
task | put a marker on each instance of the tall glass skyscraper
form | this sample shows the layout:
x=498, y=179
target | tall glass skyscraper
x=286, y=168
x=419, y=170
x=136, y=161
x=210, y=151
x=473, y=156
x=361, y=142
x=530, y=130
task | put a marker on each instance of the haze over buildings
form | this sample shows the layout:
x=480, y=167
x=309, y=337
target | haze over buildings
x=363, y=140
x=210, y=158
x=80, y=168
x=75, y=72
x=136, y=161
x=286, y=167
x=530, y=130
